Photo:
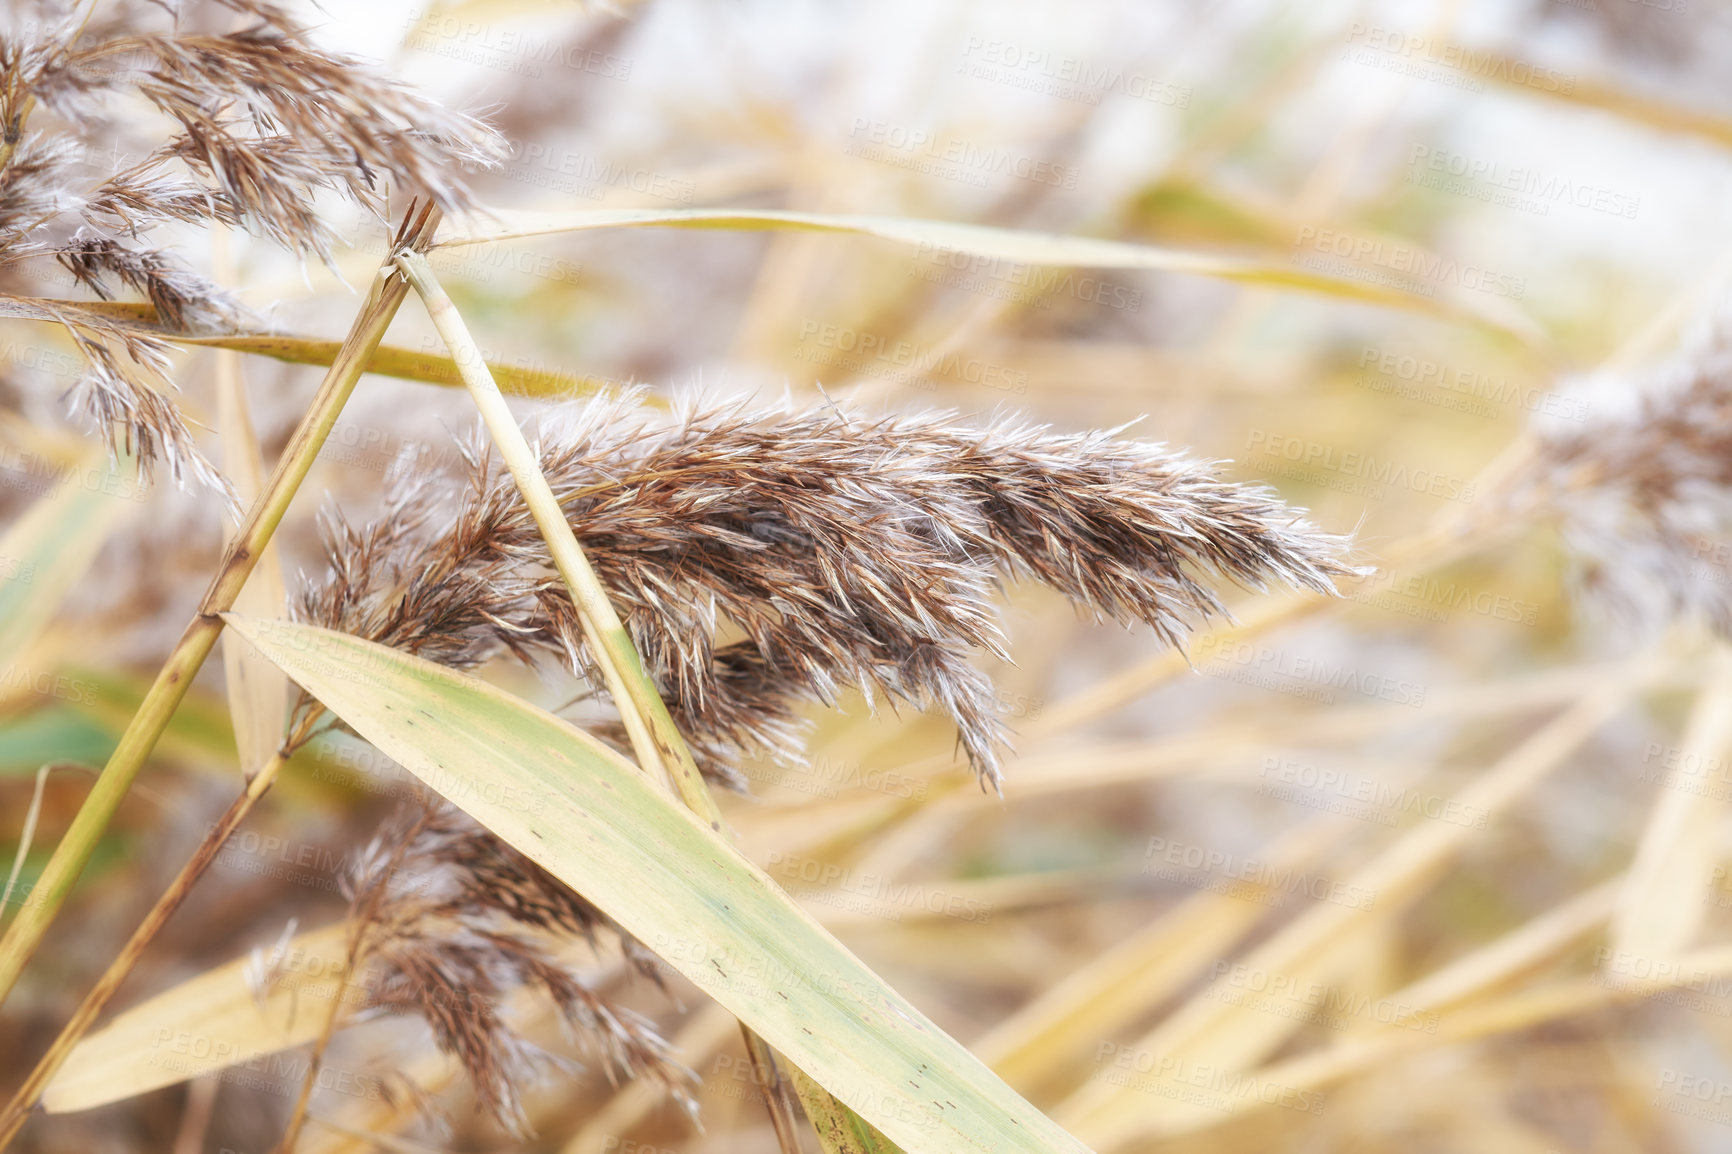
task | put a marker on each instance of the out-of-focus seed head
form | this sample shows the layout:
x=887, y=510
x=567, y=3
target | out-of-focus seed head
x=1643, y=492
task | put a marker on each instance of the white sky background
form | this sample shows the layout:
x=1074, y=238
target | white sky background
x=712, y=82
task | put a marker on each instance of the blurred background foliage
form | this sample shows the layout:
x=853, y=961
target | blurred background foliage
x=1551, y=175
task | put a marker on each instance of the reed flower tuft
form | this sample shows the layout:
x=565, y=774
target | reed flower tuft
x=449, y=920
x=1643, y=492
x=839, y=550
x=264, y=120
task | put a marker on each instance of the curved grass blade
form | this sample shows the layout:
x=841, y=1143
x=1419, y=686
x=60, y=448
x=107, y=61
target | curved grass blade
x=386, y=360
x=1692, y=119
x=207, y=1024
x=409, y=365
x=1660, y=911
x=585, y=814
x=1045, y=249
x=258, y=692
x=45, y=553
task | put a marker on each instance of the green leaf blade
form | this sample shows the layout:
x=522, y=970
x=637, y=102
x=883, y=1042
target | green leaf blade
x=590, y=818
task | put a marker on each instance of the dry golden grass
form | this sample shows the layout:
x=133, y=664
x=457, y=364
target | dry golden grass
x=1439, y=864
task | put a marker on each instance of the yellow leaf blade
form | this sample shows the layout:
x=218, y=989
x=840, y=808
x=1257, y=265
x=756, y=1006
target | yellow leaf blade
x=205, y=1025
x=1000, y=244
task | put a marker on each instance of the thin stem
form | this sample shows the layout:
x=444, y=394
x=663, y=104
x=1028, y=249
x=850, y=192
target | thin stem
x=654, y=736
x=201, y=1095
x=591, y=601
x=170, y=686
x=840, y=1130
x=657, y=743
x=298, y=1117
x=782, y=1117
x=25, y=836
x=361, y=924
x=18, y=1109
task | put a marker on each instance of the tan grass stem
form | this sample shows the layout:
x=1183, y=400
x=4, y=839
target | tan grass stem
x=612, y=650
x=1397, y=875
x=1510, y=1014
x=171, y=684
x=24, y=1099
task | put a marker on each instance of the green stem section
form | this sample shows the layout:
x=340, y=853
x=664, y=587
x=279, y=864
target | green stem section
x=171, y=684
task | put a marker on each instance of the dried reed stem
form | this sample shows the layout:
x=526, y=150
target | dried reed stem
x=839, y=1128
x=357, y=940
x=24, y=1100
x=613, y=650
x=775, y=1090
x=196, y=643
x=26, y=836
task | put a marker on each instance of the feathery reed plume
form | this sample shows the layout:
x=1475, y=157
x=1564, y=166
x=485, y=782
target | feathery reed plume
x=36, y=185
x=849, y=550
x=1643, y=492
x=181, y=298
x=266, y=120
x=128, y=398
x=452, y=920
